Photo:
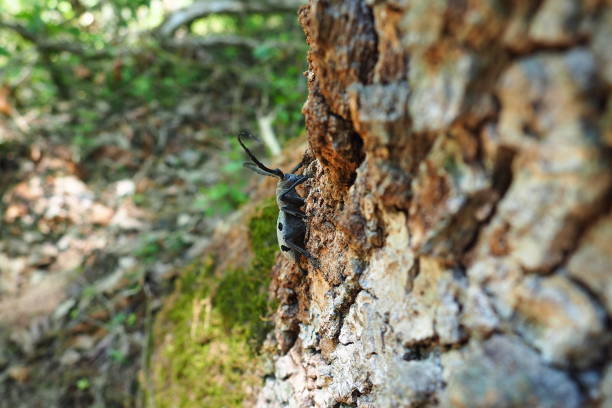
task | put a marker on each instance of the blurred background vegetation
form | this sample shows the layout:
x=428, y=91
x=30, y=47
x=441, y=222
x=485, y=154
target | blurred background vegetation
x=118, y=159
x=91, y=61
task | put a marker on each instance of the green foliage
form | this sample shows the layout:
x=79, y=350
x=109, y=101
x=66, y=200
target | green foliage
x=149, y=248
x=228, y=193
x=153, y=245
x=220, y=198
x=118, y=320
x=131, y=320
x=146, y=73
x=83, y=384
x=117, y=356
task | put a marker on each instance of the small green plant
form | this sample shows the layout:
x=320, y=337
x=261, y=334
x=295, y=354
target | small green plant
x=139, y=199
x=82, y=384
x=175, y=242
x=220, y=199
x=149, y=248
x=131, y=320
x=117, y=356
x=117, y=320
x=228, y=194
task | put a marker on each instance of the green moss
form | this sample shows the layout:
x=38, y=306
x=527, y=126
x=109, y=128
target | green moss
x=242, y=296
x=262, y=229
x=208, y=334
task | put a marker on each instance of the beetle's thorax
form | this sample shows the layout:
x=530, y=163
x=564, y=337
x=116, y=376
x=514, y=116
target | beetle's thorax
x=283, y=185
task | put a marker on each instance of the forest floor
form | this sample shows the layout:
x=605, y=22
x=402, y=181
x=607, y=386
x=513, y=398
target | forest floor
x=90, y=240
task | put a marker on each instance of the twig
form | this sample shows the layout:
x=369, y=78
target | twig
x=267, y=133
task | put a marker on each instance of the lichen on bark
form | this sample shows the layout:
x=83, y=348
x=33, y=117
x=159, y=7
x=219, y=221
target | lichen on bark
x=460, y=205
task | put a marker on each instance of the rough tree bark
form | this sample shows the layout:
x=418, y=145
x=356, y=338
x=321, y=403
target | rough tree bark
x=460, y=205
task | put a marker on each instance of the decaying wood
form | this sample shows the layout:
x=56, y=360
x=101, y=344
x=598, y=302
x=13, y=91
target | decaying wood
x=461, y=199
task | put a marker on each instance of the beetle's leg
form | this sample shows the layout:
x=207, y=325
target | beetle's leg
x=293, y=211
x=315, y=262
x=283, y=196
x=299, y=165
x=294, y=200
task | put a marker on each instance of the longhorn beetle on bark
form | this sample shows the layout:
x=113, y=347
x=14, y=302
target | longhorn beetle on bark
x=290, y=226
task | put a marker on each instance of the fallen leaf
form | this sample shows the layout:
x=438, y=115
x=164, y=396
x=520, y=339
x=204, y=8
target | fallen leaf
x=19, y=373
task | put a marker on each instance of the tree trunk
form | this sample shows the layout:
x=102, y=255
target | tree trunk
x=460, y=206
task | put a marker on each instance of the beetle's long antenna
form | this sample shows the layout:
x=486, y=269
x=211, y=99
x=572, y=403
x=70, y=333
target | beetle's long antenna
x=269, y=172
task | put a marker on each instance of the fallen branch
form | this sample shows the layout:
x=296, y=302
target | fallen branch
x=210, y=41
x=201, y=9
x=193, y=43
x=267, y=133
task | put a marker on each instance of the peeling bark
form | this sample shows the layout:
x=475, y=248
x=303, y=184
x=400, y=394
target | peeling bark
x=460, y=205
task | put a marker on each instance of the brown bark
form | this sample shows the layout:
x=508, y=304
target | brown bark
x=460, y=206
